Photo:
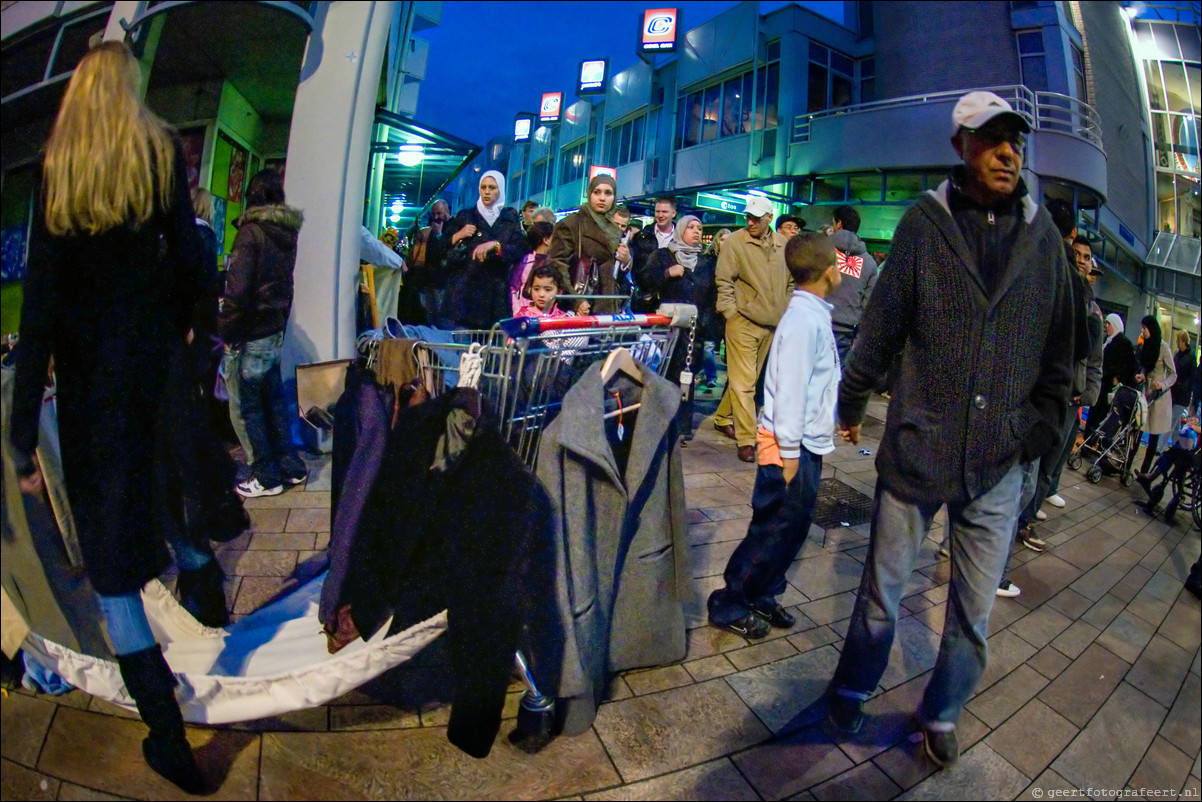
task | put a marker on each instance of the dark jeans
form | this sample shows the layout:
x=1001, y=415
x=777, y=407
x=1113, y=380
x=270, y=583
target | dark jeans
x=843, y=341
x=780, y=521
x=264, y=410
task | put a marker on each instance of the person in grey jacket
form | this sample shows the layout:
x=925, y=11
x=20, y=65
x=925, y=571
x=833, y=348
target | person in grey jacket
x=977, y=285
x=859, y=270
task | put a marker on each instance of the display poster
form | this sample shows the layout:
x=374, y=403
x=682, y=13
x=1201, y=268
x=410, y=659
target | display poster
x=237, y=179
x=193, y=141
x=597, y=170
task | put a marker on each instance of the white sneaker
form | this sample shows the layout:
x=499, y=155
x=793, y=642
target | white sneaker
x=252, y=489
x=1055, y=501
x=1040, y=515
x=1008, y=590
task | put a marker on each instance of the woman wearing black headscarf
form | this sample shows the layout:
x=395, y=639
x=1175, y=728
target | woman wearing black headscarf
x=1157, y=372
x=586, y=244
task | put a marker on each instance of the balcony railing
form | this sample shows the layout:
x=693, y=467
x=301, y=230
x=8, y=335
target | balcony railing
x=1043, y=111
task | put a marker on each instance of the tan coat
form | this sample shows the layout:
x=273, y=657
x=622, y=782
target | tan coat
x=752, y=278
x=1160, y=411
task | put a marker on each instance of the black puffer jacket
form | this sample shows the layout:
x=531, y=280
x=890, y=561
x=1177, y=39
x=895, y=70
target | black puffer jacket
x=258, y=286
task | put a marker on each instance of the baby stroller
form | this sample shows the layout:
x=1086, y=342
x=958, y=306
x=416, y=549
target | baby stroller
x=1111, y=443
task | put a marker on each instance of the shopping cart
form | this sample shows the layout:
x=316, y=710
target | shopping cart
x=525, y=365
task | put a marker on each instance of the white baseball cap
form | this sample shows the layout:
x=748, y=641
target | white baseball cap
x=758, y=206
x=977, y=108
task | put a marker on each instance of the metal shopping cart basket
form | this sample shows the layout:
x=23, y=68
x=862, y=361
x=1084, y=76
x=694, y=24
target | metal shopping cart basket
x=527, y=364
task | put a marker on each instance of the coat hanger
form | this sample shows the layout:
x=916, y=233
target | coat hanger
x=621, y=361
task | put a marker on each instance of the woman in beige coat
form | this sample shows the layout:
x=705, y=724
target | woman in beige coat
x=1157, y=372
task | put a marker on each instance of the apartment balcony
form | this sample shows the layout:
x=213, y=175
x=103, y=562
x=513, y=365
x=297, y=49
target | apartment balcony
x=914, y=132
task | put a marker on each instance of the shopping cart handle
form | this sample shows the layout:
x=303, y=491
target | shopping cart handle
x=532, y=326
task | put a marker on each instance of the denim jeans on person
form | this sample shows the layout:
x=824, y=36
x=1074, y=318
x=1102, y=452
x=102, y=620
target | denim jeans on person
x=1050, y=467
x=982, y=530
x=780, y=521
x=709, y=362
x=843, y=340
x=1032, y=481
x=257, y=394
x=125, y=617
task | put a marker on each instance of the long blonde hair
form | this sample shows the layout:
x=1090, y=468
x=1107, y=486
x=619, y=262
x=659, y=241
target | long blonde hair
x=106, y=149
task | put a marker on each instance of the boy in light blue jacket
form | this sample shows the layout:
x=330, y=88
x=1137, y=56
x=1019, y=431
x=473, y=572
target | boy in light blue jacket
x=797, y=427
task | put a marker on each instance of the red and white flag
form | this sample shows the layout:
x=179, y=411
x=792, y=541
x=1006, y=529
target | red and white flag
x=850, y=265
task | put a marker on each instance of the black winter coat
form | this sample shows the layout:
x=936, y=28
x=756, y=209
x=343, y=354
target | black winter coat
x=258, y=285
x=113, y=309
x=695, y=287
x=1186, y=368
x=1118, y=362
x=477, y=293
x=474, y=539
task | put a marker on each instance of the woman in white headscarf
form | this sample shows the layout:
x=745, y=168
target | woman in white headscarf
x=1118, y=367
x=487, y=240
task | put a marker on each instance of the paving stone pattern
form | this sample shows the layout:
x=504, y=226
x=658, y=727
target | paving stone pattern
x=1093, y=678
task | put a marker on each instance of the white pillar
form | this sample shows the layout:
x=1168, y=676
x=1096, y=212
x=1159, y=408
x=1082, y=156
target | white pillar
x=327, y=173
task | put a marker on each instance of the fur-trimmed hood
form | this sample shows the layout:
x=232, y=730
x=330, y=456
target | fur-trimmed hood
x=280, y=214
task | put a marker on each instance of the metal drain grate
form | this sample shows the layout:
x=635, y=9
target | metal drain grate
x=840, y=504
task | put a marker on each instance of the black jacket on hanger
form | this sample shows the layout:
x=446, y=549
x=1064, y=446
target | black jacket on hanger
x=456, y=521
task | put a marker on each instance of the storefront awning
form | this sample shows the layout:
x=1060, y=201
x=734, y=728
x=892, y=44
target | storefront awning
x=420, y=163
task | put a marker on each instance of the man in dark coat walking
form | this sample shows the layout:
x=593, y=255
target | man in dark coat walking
x=977, y=284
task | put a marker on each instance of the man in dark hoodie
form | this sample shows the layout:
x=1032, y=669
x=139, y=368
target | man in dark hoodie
x=254, y=313
x=977, y=285
x=859, y=270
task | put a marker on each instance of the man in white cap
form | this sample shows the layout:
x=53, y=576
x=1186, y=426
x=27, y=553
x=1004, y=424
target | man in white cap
x=977, y=284
x=754, y=287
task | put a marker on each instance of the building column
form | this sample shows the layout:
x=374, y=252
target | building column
x=326, y=174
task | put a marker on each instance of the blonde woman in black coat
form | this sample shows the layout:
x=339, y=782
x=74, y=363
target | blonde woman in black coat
x=115, y=266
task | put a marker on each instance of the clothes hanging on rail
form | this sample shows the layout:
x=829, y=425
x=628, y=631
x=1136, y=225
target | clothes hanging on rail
x=454, y=520
x=622, y=562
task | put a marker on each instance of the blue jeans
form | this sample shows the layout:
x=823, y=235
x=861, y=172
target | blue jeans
x=124, y=615
x=843, y=340
x=981, y=533
x=1051, y=465
x=257, y=396
x=780, y=522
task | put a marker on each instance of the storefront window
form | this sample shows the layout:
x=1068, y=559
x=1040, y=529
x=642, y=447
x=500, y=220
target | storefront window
x=865, y=188
x=1032, y=60
x=830, y=81
x=712, y=107
x=725, y=108
x=902, y=187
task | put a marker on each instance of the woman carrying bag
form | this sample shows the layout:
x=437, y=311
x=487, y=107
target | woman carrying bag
x=115, y=267
x=487, y=240
x=1158, y=373
x=681, y=274
x=586, y=244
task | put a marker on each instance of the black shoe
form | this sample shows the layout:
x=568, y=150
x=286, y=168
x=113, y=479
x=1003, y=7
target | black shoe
x=150, y=682
x=750, y=626
x=776, y=615
x=202, y=594
x=1193, y=582
x=845, y=713
x=943, y=748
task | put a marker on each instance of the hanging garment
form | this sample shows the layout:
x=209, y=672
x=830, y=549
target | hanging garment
x=622, y=562
x=456, y=521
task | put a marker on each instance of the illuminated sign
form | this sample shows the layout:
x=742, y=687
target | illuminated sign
x=659, y=30
x=597, y=170
x=548, y=111
x=523, y=125
x=720, y=203
x=593, y=74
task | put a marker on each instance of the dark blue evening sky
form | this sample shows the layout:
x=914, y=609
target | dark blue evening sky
x=490, y=60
